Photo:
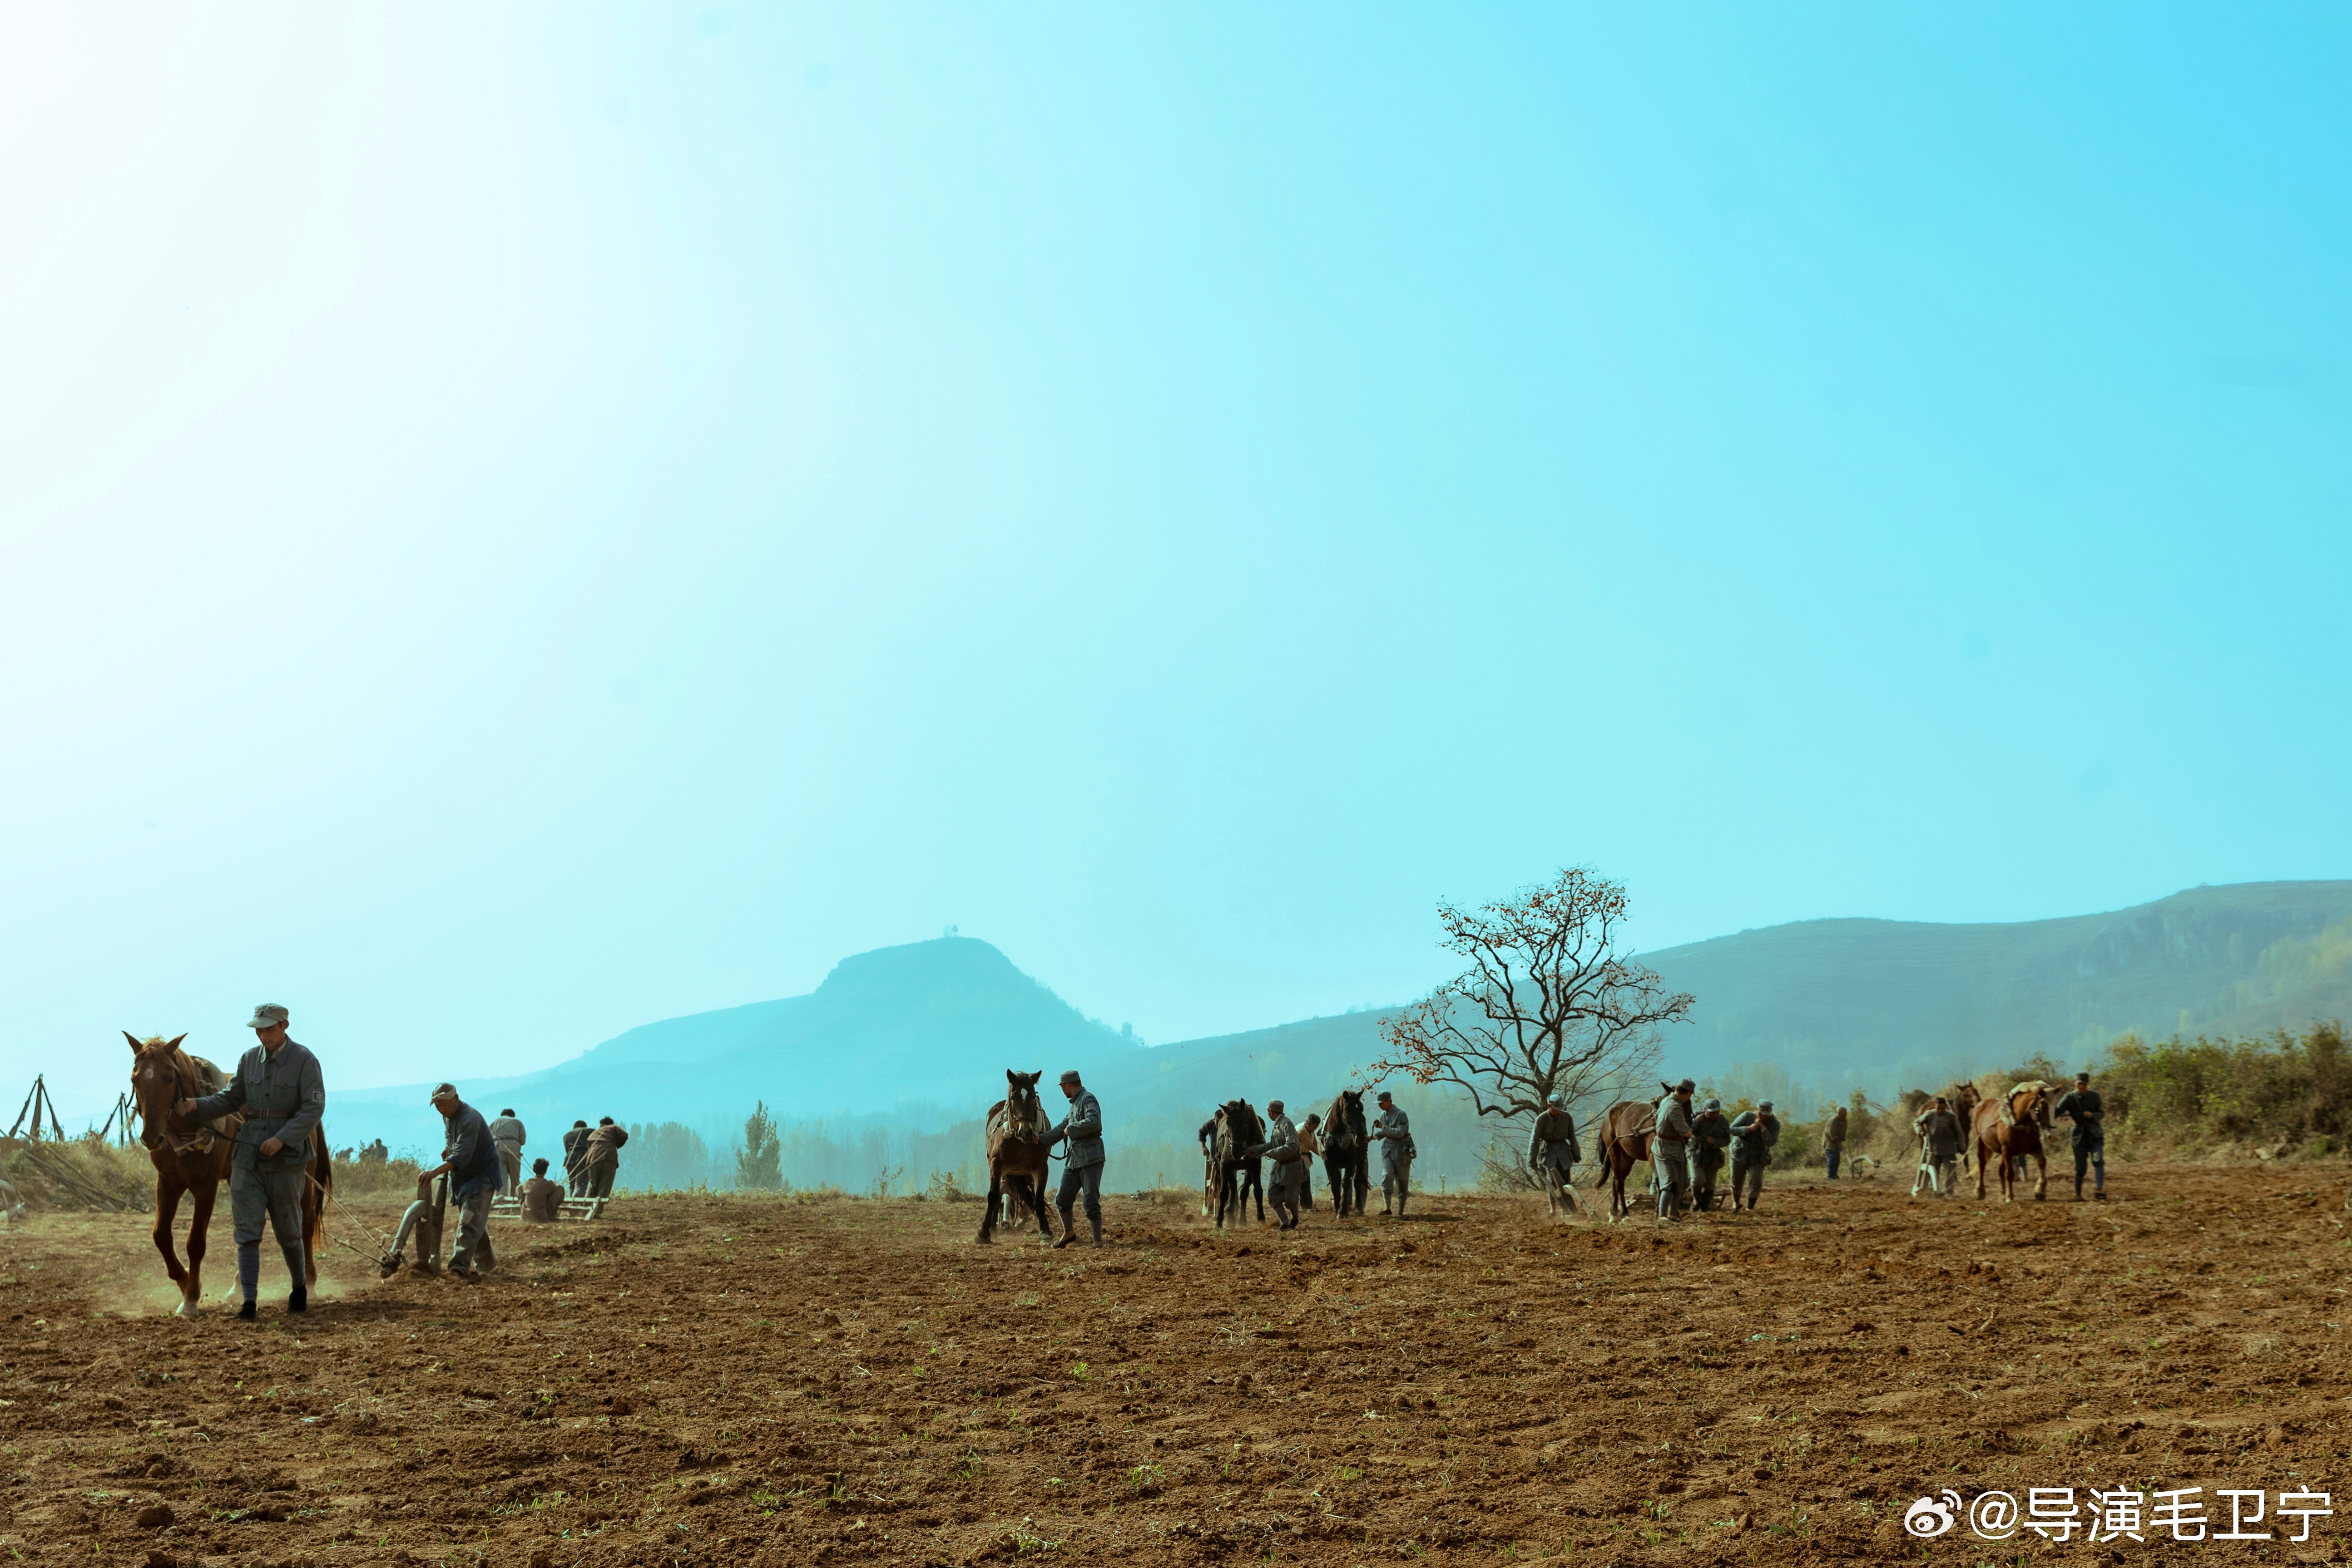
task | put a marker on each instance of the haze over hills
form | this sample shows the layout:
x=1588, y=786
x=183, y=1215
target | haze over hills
x=922, y=1033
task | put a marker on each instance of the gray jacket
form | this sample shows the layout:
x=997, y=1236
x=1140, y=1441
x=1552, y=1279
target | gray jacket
x=1552, y=1141
x=1673, y=1121
x=507, y=1133
x=282, y=1098
x=1393, y=1131
x=1753, y=1133
x=1080, y=1132
x=1282, y=1142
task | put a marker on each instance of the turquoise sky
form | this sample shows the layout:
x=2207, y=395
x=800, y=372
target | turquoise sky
x=519, y=524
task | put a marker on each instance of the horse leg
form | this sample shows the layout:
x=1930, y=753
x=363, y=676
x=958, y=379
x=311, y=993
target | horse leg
x=1980, y=1169
x=167, y=1209
x=1258, y=1186
x=995, y=1195
x=1038, y=1201
x=191, y=1293
x=2041, y=1176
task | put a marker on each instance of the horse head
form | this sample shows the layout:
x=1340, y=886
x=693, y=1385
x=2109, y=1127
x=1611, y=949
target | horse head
x=160, y=1077
x=1242, y=1127
x=1021, y=1108
x=1344, y=1122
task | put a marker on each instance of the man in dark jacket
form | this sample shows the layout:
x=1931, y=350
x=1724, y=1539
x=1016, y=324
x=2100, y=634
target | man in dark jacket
x=282, y=1093
x=1080, y=1136
x=469, y=1158
x=1753, y=1133
x=575, y=1158
x=2090, y=1117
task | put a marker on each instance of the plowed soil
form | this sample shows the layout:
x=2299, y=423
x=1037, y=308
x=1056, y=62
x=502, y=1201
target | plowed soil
x=717, y=1379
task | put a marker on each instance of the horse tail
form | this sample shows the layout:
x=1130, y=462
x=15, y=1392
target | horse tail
x=322, y=1177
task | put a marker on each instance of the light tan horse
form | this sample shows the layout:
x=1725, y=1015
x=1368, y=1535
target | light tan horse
x=2010, y=1128
x=1017, y=1128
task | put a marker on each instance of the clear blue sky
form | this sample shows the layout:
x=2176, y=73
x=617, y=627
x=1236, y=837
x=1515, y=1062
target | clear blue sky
x=522, y=521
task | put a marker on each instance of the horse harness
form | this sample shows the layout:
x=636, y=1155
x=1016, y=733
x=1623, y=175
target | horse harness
x=188, y=1082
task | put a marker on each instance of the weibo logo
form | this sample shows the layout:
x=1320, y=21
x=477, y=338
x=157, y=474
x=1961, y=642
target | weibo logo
x=1929, y=1518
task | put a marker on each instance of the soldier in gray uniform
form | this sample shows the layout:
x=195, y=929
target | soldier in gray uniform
x=1670, y=1151
x=1080, y=1136
x=1710, y=1136
x=1281, y=1147
x=282, y=1092
x=1393, y=1131
x=1753, y=1133
x=2090, y=1114
x=1553, y=1152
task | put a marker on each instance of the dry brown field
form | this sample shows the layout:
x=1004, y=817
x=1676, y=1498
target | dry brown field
x=731, y=1380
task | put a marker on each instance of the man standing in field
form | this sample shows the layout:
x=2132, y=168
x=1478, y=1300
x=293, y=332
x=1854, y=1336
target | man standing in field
x=1833, y=1142
x=280, y=1090
x=1753, y=1133
x=1281, y=1148
x=470, y=1160
x=508, y=1134
x=1393, y=1131
x=2090, y=1116
x=1553, y=1151
x=1670, y=1151
x=1311, y=1149
x=575, y=1158
x=1710, y=1136
x=1080, y=1136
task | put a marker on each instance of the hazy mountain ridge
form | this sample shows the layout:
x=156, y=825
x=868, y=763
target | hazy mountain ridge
x=924, y=1032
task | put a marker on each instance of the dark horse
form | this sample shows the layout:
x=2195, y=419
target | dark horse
x=1623, y=1142
x=1232, y=1175
x=1017, y=1126
x=1347, y=1152
x=197, y=1160
x=2008, y=1130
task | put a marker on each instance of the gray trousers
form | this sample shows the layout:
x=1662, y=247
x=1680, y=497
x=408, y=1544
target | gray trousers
x=275, y=1195
x=474, y=1251
x=1283, y=1190
x=1670, y=1174
x=1081, y=1180
x=600, y=1178
x=510, y=1170
x=1703, y=1179
x=2094, y=1156
x=1395, y=1176
x=1747, y=1184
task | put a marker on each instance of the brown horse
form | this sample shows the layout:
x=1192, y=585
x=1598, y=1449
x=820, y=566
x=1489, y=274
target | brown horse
x=1347, y=1152
x=161, y=1074
x=1623, y=1142
x=1232, y=1175
x=1017, y=1126
x=2010, y=1128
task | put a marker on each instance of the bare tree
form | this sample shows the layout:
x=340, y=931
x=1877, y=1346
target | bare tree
x=1547, y=1005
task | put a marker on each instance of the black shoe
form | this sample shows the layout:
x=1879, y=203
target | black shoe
x=300, y=1302
x=245, y=1313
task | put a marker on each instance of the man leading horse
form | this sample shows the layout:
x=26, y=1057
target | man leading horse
x=282, y=1092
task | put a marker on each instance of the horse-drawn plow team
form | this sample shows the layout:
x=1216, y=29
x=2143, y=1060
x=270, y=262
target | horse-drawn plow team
x=258, y=1129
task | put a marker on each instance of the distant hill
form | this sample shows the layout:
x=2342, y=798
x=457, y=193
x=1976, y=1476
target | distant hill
x=1863, y=1001
x=921, y=1034
x=924, y=1031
